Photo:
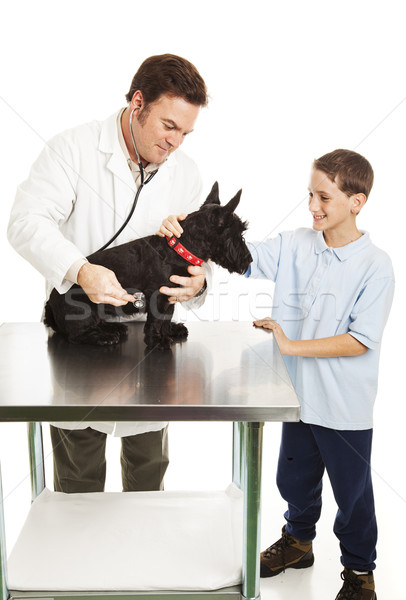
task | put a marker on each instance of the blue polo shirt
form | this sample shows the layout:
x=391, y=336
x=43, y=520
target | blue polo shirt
x=322, y=292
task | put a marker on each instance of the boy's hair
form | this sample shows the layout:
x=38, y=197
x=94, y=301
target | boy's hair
x=168, y=74
x=351, y=172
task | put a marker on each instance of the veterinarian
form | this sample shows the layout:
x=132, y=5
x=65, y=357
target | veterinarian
x=77, y=195
x=333, y=293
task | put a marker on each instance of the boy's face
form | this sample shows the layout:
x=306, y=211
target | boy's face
x=333, y=211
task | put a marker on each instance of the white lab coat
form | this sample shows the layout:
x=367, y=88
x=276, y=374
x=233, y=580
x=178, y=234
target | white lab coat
x=78, y=193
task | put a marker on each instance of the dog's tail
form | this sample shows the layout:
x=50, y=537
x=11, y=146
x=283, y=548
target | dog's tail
x=49, y=319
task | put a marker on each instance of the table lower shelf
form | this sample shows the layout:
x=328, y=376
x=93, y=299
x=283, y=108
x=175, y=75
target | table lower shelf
x=152, y=542
x=229, y=593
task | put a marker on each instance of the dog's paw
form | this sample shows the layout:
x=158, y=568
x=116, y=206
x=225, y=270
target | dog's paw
x=119, y=329
x=106, y=334
x=158, y=343
x=178, y=332
x=161, y=335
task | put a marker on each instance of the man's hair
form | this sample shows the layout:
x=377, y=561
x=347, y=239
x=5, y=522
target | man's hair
x=171, y=75
x=351, y=172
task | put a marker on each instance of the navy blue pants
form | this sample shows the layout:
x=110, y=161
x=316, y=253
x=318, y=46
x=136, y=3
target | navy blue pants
x=306, y=452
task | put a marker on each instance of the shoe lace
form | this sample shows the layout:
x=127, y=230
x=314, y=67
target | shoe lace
x=351, y=587
x=280, y=546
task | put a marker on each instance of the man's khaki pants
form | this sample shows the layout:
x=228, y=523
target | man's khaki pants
x=80, y=460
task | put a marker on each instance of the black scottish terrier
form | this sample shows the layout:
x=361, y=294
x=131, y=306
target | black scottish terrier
x=144, y=265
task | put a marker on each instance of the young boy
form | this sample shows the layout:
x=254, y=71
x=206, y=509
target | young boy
x=333, y=293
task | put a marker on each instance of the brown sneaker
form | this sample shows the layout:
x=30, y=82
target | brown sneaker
x=288, y=552
x=357, y=587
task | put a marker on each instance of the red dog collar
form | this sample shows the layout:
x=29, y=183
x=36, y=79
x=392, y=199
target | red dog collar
x=183, y=252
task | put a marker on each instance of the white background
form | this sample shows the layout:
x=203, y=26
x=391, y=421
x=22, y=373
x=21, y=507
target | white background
x=288, y=82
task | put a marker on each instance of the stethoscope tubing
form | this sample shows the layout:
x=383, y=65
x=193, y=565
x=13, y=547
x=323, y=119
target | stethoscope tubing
x=138, y=192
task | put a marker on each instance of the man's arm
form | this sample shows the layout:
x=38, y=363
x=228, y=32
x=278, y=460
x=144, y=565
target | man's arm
x=329, y=347
x=43, y=203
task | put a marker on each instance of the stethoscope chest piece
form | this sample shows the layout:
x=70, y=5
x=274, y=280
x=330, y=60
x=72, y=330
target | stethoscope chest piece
x=139, y=301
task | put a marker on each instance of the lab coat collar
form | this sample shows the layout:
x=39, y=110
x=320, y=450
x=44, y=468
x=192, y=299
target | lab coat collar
x=109, y=143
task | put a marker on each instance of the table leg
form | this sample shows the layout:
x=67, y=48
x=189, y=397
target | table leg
x=3, y=553
x=252, y=463
x=36, y=455
x=238, y=432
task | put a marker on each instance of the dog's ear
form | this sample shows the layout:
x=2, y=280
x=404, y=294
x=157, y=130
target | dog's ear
x=232, y=205
x=213, y=197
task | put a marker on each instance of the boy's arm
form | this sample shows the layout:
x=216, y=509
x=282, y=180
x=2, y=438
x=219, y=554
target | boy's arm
x=329, y=347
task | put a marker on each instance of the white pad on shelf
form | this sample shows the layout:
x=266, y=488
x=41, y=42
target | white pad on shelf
x=129, y=541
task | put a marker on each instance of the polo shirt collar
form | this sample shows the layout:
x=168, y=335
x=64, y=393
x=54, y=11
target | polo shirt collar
x=345, y=251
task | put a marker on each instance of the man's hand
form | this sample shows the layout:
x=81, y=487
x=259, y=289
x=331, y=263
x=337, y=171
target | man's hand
x=171, y=226
x=190, y=285
x=101, y=285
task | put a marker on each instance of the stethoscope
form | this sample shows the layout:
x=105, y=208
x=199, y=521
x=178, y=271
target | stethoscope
x=139, y=296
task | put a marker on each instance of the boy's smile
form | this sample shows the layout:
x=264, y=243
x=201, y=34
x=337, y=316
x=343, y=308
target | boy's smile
x=333, y=211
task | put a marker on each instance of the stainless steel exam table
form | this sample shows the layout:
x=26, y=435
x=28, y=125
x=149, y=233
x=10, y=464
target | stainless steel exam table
x=226, y=371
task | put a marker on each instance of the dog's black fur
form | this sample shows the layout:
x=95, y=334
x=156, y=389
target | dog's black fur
x=212, y=232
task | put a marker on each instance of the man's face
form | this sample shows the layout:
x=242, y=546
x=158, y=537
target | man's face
x=163, y=128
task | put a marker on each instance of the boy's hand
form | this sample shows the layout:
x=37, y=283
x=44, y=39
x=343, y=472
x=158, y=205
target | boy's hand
x=171, y=226
x=284, y=343
x=190, y=285
x=343, y=344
